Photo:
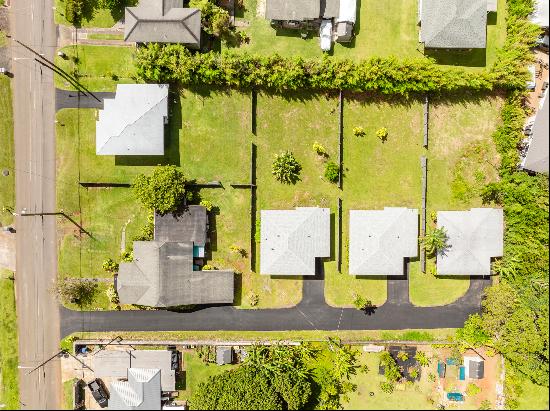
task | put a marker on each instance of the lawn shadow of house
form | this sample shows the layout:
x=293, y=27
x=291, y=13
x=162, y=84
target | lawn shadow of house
x=465, y=58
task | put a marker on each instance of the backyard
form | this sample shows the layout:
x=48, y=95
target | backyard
x=382, y=29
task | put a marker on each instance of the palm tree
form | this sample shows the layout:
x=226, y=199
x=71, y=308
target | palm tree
x=435, y=241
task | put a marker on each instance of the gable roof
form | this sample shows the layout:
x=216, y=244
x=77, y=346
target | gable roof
x=474, y=237
x=300, y=10
x=162, y=275
x=379, y=240
x=133, y=122
x=292, y=239
x=161, y=21
x=115, y=364
x=141, y=392
x=458, y=24
x=537, y=154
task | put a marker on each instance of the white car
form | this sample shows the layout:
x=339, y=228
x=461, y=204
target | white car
x=325, y=33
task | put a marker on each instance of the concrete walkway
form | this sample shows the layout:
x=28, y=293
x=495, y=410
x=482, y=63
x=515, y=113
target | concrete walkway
x=68, y=35
x=312, y=313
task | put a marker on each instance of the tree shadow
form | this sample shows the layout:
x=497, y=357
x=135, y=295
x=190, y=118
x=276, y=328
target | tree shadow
x=466, y=58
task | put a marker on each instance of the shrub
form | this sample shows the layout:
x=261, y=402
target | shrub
x=110, y=265
x=208, y=267
x=253, y=299
x=359, y=131
x=207, y=204
x=127, y=256
x=386, y=387
x=332, y=172
x=320, y=149
x=391, y=370
x=73, y=11
x=214, y=19
x=235, y=249
x=112, y=295
x=163, y=191
x=75, y=291
x=414, y=373
x=435, y=240
x=286, y=168
x=403, y=356
x=485, y=405
x=147, y=232
x=422, y=358
x=382, y=133
x=472, y=390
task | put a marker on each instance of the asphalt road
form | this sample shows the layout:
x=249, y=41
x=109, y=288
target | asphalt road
x=34, y=114
x=311, y=314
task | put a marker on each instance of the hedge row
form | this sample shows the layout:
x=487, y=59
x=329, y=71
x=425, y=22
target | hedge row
x=175, y=63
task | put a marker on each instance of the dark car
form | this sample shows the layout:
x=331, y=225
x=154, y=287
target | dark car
x=99, y=392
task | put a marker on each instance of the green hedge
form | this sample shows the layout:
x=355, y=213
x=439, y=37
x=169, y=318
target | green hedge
x=175, y=63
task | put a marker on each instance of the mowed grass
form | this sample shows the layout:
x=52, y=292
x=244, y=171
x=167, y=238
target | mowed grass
x=94, y=15
x=7, y=153
x=9, y=385
x=382, y=29
x=533, y=397
x=96, y=68
x=101, y=211
x=197, y=371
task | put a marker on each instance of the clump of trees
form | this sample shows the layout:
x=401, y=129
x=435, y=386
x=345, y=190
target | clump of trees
x=215, y=20
x=286, y=168
x=75, y=291
x=162, y=191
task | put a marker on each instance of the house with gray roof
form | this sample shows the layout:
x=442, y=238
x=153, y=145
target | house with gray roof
x=163, y=21
x=301, y=10
x=380, y=240
x=115, y=364
x=536, y=158
x=292, y=240
x=474, y=238
x=141, y=391
x=166, y=272
x=133, y=122
x=453, y=24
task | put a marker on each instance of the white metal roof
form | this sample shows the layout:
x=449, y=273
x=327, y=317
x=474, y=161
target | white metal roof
x=292, y=239
x=142, y=391
x=474, y=237
x=379, y=240
x=133, y=122
x=348, y=11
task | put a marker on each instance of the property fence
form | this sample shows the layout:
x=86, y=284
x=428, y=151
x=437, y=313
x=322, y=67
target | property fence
x=424, y=165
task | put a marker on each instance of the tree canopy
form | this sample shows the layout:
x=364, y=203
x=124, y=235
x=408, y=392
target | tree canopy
x=162, y=191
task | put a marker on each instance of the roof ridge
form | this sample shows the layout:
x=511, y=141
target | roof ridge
x=133, y=122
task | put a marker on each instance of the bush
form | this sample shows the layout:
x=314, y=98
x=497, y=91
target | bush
x=435, y=240
x=73, y=11
x=75, y=291
x=110, y=265
x=207, y=204
x=235, y=249
x=286, y=168
x=163, y=191
x=127, y=256
x=403, y=356
x=208, y=267
x=382, y=133
x=147, y=232
x=414, y=373
x=422, y=358
x=332, y=172
x=214, y=19
x=253, y=299
x=391, y=370
x=112, y=295
x=359, y=131
x=320, y=149
x=386, y=387
x=472, y=390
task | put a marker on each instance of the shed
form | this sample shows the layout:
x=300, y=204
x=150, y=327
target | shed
x=224, y=355
x=474, y=367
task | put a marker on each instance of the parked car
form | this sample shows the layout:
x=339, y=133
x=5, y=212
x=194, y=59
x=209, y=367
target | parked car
x=325, y=33
x=99, y=392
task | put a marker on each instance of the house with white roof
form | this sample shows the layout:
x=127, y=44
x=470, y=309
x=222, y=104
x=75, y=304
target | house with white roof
x=141, y=391
x=380, y=240
x=474, y=237
x=133, y=122
x=292, y=240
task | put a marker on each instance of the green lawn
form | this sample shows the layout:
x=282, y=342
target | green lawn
x=197, y=371
x=533, y=397
x=68, y=393
x=97, y=68
x=93, y=15
x=9, y=388
x=7, y=183
x=101, y=36
x=382, y=29
x=416, y=397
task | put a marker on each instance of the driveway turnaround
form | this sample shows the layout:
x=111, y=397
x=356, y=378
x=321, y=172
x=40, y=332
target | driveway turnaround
x=312, y=313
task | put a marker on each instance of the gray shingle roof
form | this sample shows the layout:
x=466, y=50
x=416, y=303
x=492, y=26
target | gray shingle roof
x=187, y=225
x=537, y=154
x=161, y=274
x=381, y=239
x=133, y=122
x=161, y=21
x=140, y=392
x=474, y=237
x=291, y=240
x=455, y=24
